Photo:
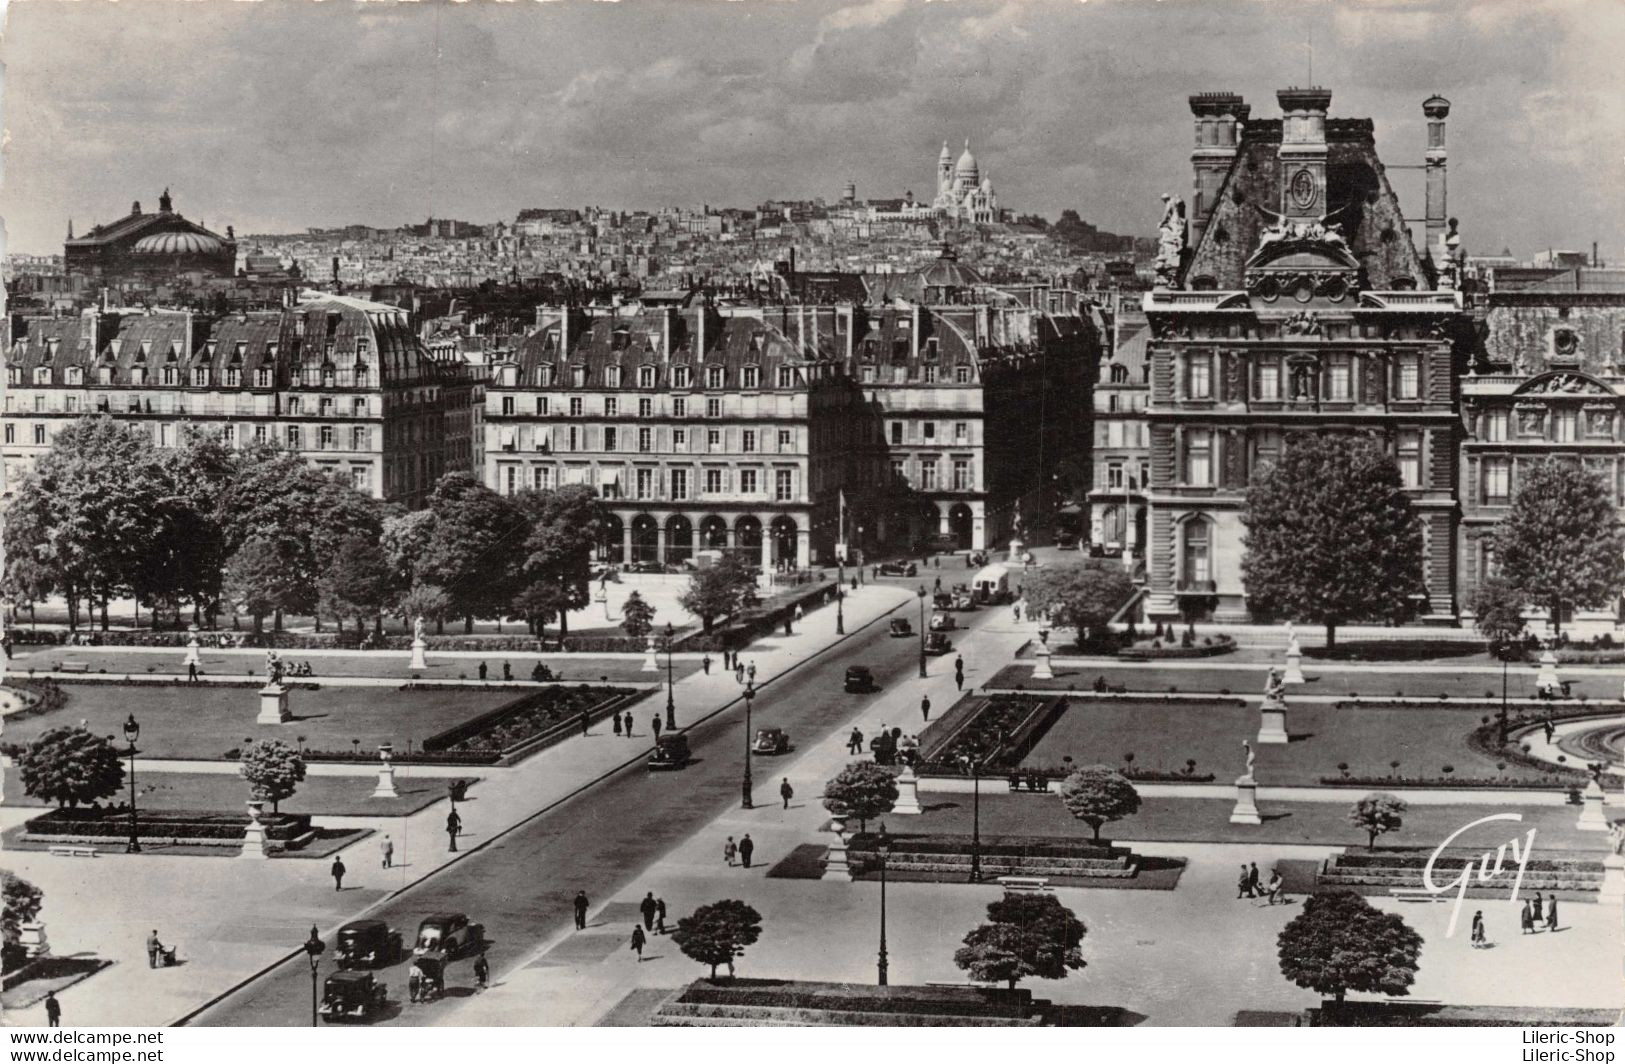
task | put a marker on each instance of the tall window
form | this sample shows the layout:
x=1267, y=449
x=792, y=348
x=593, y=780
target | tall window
x=609, y=437
x=1268, y=374
x=1199, y=376
x=325, y=437
x=961, y=432
x=507, y=406
x=1497, y=481
x=612, y=406
x=785, y=445
x=787, y=377
x=541, y=406
x=646, y=407
x=645, y=482
x=1114, y=475
x=646, y=376
x=715, y=377
x=39, y=434
x=679, y=407
x=358, y=439
x=897, y=432
x=1495, y=426
x=679, y=439
x=748, y=441
x=1339, y=379
x=612, y=377
x=899, y=471
x=574, y=441
x=751, y=378
x=962, y=474
x=713, y=482
x=747, y=482
x=928, y=475
x=1410, y=459
x=713, y=408
x=1565, y=425
x=575, y=406
x=679, y=484
x=295, y=437
x=262, y=377
x=1198, y=566
x=679, y=376
x=713, y=440
x=646, y=440
x=1409, y=385
x=1199, y=457
x=783, y=484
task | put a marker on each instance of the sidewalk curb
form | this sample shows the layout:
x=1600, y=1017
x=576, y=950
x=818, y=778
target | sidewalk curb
x=186, y=1018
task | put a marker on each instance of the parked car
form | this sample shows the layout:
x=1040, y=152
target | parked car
x=771, y=741
x=367, y=944
x=942, y=600
x=899, y=569
x=1105, y=550
x=352, y=996
x=963, y=599
x=901, y=627
x=943, y=621
x=937, y=643
x=645, y=567
x=450, y=933
x=670, y=753
x=859, y=680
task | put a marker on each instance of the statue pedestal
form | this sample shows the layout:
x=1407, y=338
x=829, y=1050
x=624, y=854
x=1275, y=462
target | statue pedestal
x=386, y=782
x=418, y=660
x=273, y=705
x=908, y=793
x=1591, y=814
x=1294, y=666
x=1546, y=678
x=192, y=650
x=254, y=837
x=31, y=937
x=1246, y=810
x=649, y=662
x=836, y=865
x=1272, y=721
x=1613, y=881
x=1017, y=547
x=1041, y=666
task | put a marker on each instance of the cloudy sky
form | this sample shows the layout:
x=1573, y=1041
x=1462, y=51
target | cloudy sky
x=278, y=115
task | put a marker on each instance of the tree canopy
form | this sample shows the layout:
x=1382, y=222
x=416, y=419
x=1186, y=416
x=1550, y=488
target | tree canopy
x=637, y=616
x=1096, y=795
x=720, y=590
x=1377, y=814
x=70, y=766
x=1027, y=935
x=273, y=770
x=1083, y=596
x=474, y=547
x=565, y=524
x=1332, y=538
x=23, y=902
x=717, y=933
x=1341, y=942
x=1498, y=611
x=862, y=789
x=1559, y=544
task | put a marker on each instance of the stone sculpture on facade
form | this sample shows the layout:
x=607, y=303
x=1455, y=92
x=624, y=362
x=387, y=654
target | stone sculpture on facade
x=1171, y=233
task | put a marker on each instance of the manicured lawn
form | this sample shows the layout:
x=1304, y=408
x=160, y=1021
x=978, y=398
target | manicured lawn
x=1204, y=820
x=220, y=792
x=204, y=722
x=1165, y=736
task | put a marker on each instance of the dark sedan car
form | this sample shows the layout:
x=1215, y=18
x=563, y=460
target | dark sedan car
x=899, y=569
x=859, y=679
x=937, y=643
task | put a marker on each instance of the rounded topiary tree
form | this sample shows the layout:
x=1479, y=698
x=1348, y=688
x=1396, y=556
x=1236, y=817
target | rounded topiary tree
x=69, y=766
x=1341, y=942
x=1097, y=795
x=717, y=933
x=637, y=616
x=22, y=905
x=1377, y=814
x=1026, y=935
x=273, y=770
x=864, y=790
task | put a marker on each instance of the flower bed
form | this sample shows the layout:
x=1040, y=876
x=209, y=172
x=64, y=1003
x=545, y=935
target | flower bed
x=998, y=731
x=845, y=997
x=370, y=757
x=1059, y=772
x=44, y=695
x=532, y=716
x=1207, y=647
x=1570, y=709
x=1000, y=845
x=1553, y=782
x=100, y=822
x=132, y=680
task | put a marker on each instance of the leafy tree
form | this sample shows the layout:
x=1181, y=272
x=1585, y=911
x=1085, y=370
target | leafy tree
x=1498, y=612
x=1340, y=942
x=1027, y=935
x=473, y=549
x=23, y=902
x=1097, y=795
x=425, y=600
x=68, y=765
x=262, y=577
x=273, y=770
x=358, y=582
x=1377, y=814
x=721, y=590
x=1332, y=537
x=540, y=603
x=717, y=933
x=862, y=789
x=1559, y=544
x=187, y=562
x=403, y=539
x=1084, y=596
x=637, y=616
x=565, y=524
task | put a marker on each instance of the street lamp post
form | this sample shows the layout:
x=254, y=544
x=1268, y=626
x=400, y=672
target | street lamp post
x=922, y=631
x=132, y=731
x=975, y=819
x=1503, y=728
x=882, y=847
x=745, y=786
x=840, y=618
x=671, y=705
x=313, y=949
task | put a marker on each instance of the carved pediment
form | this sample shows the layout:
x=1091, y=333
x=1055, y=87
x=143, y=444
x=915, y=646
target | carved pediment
x=1563, y=384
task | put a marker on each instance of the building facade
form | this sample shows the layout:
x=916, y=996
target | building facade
x=341, y=381
x=1121, y=467
x=145, y=247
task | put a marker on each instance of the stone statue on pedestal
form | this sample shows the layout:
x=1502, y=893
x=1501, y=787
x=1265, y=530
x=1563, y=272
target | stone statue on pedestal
x=1252, y=756
x=1274, y=686
x=1171, y=233
x=417, y=628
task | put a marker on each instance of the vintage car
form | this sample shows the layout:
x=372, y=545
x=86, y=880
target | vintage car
x=859, y=679
x=352, y=996
x=943, y=621
x=900, y=627
x=367, y=944
x=450, y=933
x=942, y=600
x=771, y=741
x=645, y=567
x=937, y=643
x=963, y=600
x=898, y=569
x=670, y=753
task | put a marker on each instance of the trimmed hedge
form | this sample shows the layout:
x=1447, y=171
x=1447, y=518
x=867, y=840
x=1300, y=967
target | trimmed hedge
x=40, y=696
x=840, y=997
x=1000, y=729
x=112, y=823
x=1000, y=845
x=524, y=718
x=1221, y=644
x=94, y=679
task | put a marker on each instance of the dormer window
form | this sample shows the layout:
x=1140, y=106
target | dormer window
x=200, y=377
x=42, y=375
x=787, y=377
x=612, y=377
x=362, y=345
x=931, y=349
x=621, y=339
x=544, y=376
x=271, y=349
x=76, y=375
x=234, y=376
x=961, y=374
x=362, y=372
x=751, y=378
x=715, y=377
x=329, y=375
x=262, y=377
x=680, y=377
x=868, y=350
x=169, y=375
x=104, y=375
x=578, y=375
x=646, y=376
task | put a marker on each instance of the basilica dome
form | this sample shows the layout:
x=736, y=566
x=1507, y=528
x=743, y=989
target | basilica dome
x=179, y=244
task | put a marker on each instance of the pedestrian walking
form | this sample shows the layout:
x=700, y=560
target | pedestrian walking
x=482, y=970
x=626, y=724
x=581, y=910
x=637, y=942
x=730, y=850
x=414, y=982
x=959, y=672
x=1526, y=919
x=154, y=947
x=386, y=850
x=454, y=824
x=1015, y=610
x=482, y=672
x=660, y=916
x=938, y=585
x=1253, y=886
x=746, y=848
x=585, y=722
x=1479, y=939
x=1551, y=913
x=191, y=672
x=739, y=672
x=1546, y=726
x=1539, y=914
x=53, y=1009
x=617, y=717
x=786, y=792
x=705, y=664
x=925, y=708
x=854, y=742
x=1272, y=889
x=648, y=907
x=798, y=614
x=936, y=561
x=507, y=671
x=750, y=673
x=654, y=725
x=1242, y=890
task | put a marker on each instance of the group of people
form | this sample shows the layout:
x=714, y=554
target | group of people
x=740, y=851
x=653, y=911
x=1536, y=911
x=1249, y=886
x=507, y=671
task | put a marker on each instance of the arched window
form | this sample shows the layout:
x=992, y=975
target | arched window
x=1196, y=558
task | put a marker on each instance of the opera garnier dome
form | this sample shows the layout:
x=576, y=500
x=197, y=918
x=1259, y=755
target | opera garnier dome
x=152, y=248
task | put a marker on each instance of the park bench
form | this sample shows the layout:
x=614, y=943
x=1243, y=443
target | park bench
x=1412, y=894
x=73, y=851
x=73, y=666
x=1034, y=783
x=1024, y=884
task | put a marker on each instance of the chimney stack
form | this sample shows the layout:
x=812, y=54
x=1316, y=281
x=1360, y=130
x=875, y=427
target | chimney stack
x=1437, y=109
x=1303, y=152
x=1219, y=117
